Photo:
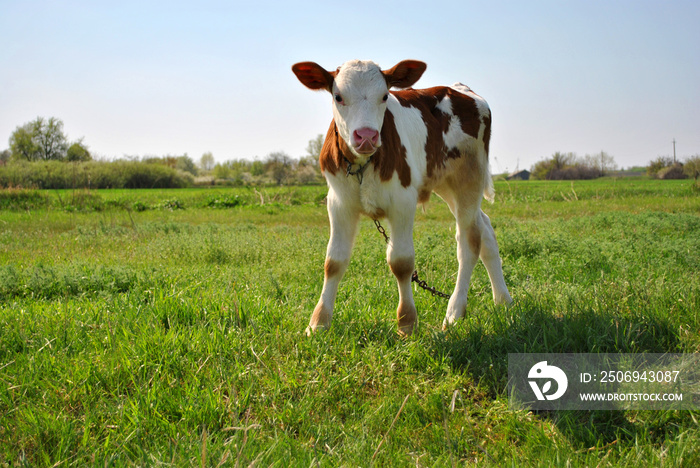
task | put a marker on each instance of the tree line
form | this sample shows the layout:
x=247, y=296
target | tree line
x=39, y=151
x=569, y=166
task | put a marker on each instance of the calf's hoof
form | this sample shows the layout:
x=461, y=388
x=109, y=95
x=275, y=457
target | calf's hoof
x=320, y=320
x=407, y=318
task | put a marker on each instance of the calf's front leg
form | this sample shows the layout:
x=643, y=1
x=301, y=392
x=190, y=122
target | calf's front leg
x=344, y=222
x=401, y=258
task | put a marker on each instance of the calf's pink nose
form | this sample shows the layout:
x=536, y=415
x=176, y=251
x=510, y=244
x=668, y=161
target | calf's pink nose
x=362, y=135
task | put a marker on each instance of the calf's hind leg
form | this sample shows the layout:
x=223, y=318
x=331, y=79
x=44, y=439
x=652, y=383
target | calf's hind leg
x=492, y=260
x=468, y=247
x=475, y=239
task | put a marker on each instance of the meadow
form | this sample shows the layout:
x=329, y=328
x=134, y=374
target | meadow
x=165, y=328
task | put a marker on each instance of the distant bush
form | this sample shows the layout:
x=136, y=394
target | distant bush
x=692, y=167
x=576, y=172
x=568, y=166
x=664, y=167
x=224, y=201
x=92, y=175
x=658, y=164
x=675, y=171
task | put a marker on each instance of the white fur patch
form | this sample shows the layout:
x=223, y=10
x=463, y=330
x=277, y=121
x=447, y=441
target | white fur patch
x=413, y=134
x=361, y=85
x=445, y=106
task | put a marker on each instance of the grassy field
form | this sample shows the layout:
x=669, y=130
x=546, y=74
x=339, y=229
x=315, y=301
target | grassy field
x=165, y=328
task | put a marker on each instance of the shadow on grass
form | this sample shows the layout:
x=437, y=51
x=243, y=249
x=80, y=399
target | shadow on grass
x=480, y=349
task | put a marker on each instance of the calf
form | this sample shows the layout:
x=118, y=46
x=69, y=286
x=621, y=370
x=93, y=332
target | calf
x=385, y=152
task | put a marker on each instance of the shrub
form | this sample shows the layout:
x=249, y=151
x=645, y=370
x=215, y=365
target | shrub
x=674, y=171
x=658, y=164
x=568, y=166
x=576, y=172
x=93, y=174
x=692, y=167
x=172, y=205
x=224, y=201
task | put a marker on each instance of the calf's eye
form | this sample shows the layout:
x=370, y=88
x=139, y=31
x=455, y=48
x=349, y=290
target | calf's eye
x=385, y=98
x=339, y=98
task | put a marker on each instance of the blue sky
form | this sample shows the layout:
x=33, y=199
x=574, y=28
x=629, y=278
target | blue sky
x=154, y=78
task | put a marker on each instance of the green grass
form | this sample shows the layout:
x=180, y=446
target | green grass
x=173, y=335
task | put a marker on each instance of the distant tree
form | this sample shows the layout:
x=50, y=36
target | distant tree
x=22, y=145
x=206, y=162
x=222, y=171
x=278, y=166
x=561, y=160
x=692, y=167
x=313, y=149
x=602, y=161
x=257, y=168
x=306, y=174
x=658, y=164
x=39, y=140
x=50, y=139
x=78, y=152
x=543, y=170
x=169, y=160
x=185, y=163
x=5, y=157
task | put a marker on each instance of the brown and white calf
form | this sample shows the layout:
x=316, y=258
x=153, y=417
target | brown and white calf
x=385, y=152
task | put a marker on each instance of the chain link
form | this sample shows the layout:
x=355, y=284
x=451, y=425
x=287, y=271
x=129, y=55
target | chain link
x=381, y=230
x=414, y=277
x=423, y=285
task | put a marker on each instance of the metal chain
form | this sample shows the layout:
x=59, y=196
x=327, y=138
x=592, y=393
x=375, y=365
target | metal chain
x=414, y=277
x=359, y=173
x=381, y=230
x=423, y=285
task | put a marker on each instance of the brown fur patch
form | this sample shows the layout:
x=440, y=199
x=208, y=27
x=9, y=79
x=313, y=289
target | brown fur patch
x=331, y=268
x=465, y=108
x=378, y=214
x=391, y=156
x=475, y=239
x=329, y=159
x=438, y=122
x=402, y=268
x=334, y=152
x=487, y=134
x=424, y=195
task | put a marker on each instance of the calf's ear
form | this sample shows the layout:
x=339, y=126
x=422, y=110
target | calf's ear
x=404, y=74
x=314, y=76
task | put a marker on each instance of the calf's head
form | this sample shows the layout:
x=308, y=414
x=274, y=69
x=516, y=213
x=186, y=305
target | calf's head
x=360, y=91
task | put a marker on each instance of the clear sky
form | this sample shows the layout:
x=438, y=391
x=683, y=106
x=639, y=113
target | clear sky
x=154, y=78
